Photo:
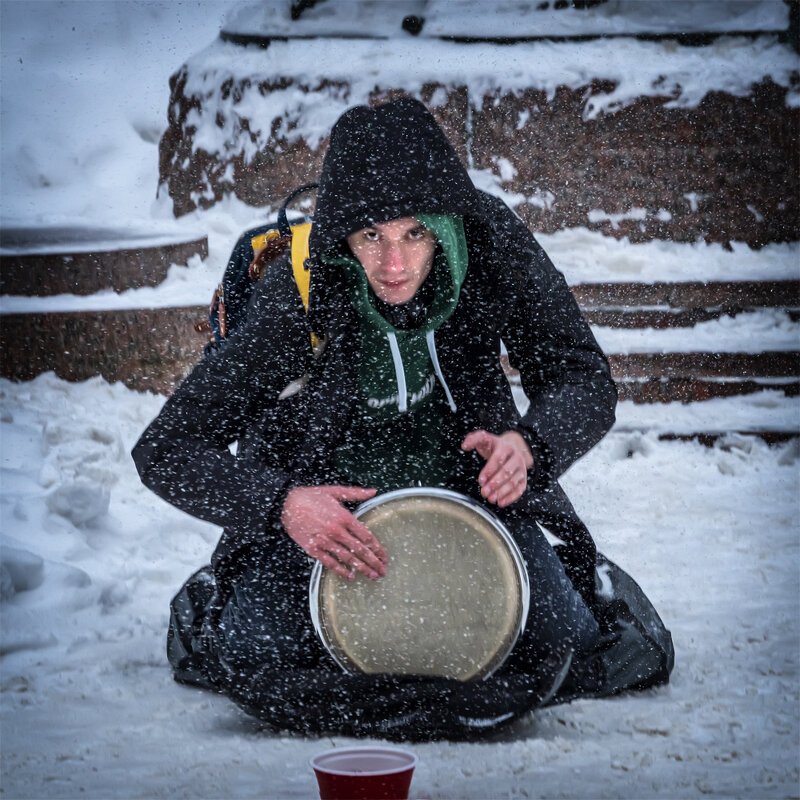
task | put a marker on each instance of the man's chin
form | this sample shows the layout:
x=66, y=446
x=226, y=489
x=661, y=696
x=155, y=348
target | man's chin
x=395, y=296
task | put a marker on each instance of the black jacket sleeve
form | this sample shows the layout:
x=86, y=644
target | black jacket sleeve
x=184, y=455
x=564, y=373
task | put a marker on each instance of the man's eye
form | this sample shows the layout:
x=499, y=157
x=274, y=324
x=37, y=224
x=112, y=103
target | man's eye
x=371, y=236
x=417, y=233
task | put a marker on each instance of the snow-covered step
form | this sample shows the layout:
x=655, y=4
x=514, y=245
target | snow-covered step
x=144, y=348
x=726, y=294
x=510, y=20
x=81, y=260
x=153, y=348
x=736, y=333
x=731, y=355
x=694, y=376
x=605, y=274
x=768, y=414
x=649, y=141
x=663, y=304
x=748, y=332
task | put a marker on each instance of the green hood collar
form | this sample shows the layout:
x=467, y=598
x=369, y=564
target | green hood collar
x=449, y=273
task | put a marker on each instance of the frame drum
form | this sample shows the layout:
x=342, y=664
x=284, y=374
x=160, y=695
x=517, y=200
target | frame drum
x=453, y=601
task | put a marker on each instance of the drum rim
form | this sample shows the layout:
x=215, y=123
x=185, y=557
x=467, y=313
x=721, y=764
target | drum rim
x=461, y=499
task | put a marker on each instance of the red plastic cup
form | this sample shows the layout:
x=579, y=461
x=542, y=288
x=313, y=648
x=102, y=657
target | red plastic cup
x=364, y=773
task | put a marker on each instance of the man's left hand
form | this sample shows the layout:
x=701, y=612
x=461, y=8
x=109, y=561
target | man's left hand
x=508, y=459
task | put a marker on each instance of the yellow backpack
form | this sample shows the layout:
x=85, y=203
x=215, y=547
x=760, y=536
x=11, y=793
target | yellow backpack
x=255, y=250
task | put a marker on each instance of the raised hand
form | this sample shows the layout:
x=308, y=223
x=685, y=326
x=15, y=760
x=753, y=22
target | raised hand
x=508, y=459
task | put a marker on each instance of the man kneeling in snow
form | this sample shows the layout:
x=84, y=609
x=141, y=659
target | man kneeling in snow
x=416, y=277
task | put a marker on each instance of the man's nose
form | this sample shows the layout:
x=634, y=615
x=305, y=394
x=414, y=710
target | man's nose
x=393, y=257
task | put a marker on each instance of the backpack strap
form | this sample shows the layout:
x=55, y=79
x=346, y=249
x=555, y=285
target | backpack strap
x=302, y=276
x=284, y=229
x=254, y=252
x=299, y=238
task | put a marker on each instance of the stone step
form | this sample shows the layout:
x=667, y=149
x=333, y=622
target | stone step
x=724, y=170
x=144, y=348
x=709, y=439
x=632, y=318
x=687, y=390
x=38, y=262
x=681, y=305
x=696, y=376
x=698, y=365
x=723, y=296
x=153, y=349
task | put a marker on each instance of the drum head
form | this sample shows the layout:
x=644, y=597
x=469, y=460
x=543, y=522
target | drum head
x=452, y=603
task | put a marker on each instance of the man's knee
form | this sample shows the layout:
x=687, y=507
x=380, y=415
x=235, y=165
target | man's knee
x=558, y=617
x=266, y=624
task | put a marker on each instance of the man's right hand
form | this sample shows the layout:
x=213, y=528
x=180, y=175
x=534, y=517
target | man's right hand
x=316, y=519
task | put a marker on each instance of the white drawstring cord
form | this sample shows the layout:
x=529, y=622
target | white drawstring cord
x=402, y=401
x=437, y=369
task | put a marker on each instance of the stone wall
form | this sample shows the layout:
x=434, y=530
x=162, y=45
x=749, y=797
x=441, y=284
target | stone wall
x=146, y=349
x=726, y=170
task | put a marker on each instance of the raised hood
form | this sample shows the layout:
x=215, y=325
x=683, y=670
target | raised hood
x=387, y=162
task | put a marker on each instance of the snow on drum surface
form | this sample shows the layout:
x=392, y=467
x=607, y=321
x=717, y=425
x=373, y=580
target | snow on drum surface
x=435, y=612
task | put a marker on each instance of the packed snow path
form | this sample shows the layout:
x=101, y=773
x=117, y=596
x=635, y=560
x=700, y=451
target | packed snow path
x=91, y=560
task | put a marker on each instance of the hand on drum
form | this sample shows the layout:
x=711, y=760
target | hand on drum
x=508, y=459
x=316, y=519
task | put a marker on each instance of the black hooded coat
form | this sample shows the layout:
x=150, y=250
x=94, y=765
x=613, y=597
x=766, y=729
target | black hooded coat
x=384, y=163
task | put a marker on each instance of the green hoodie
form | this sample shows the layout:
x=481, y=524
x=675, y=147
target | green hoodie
x=393, y=439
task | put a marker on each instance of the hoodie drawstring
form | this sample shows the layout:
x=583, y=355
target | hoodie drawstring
x=402, y=400
x=437, y=369
x=400, y=373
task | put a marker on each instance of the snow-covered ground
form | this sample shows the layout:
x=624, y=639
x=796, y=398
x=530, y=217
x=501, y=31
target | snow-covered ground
x=90, y=709
x=91, y=559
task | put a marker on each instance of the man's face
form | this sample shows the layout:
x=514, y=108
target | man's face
x=397, y=257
